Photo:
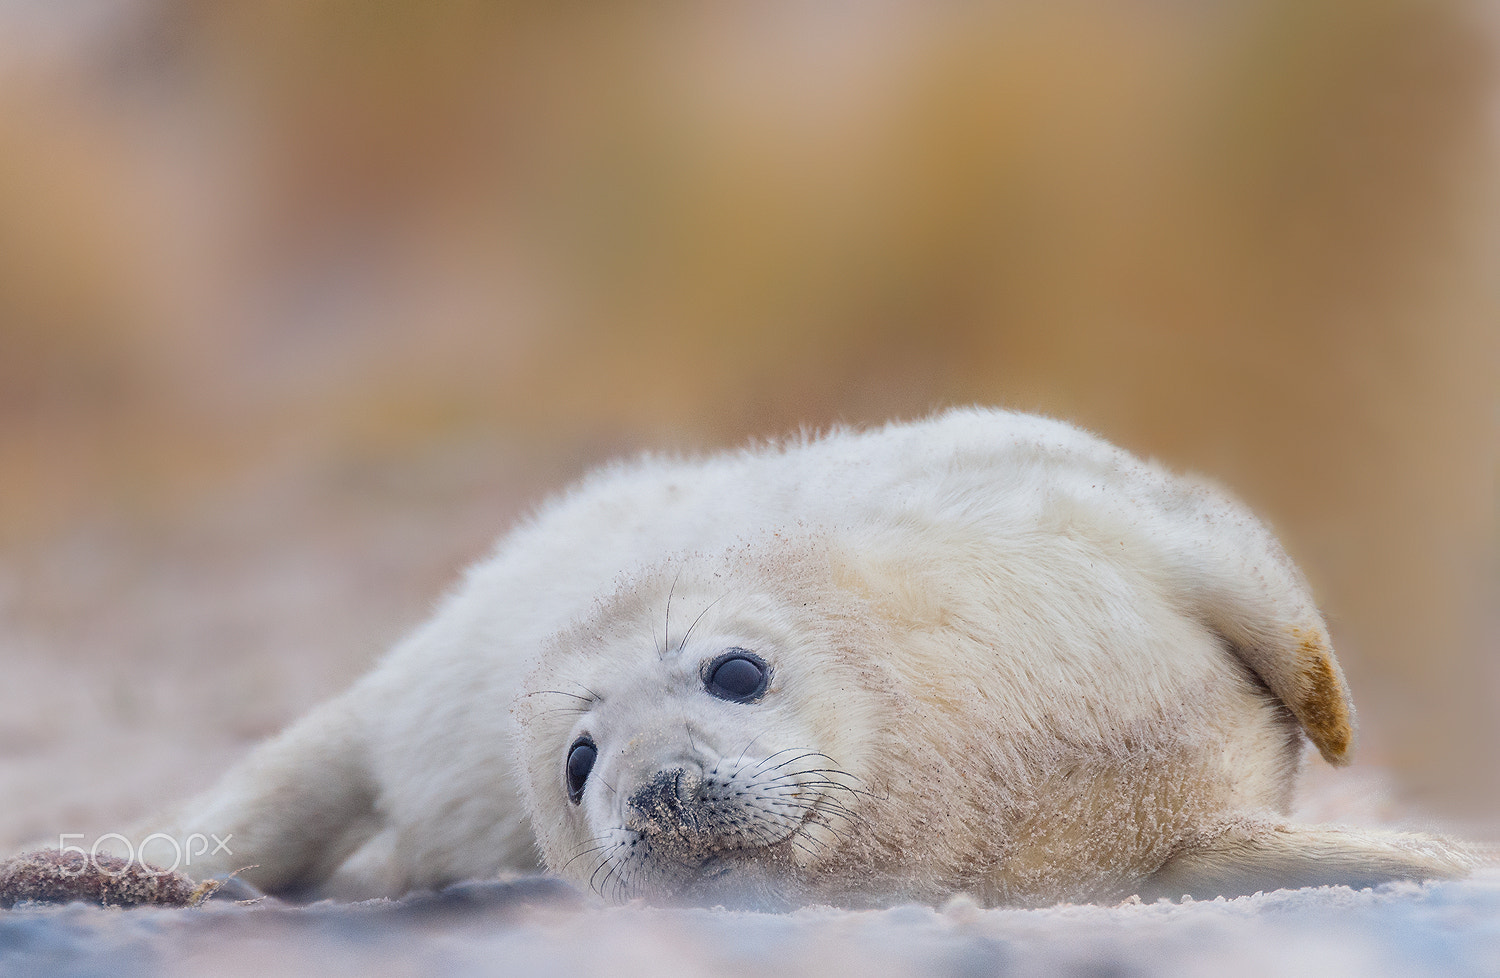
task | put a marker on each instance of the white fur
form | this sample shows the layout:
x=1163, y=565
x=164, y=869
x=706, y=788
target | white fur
x=1009, y=658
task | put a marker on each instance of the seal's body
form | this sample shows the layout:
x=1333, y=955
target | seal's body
x=982, y=653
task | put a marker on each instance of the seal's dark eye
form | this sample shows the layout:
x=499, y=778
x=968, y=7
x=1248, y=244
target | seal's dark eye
x=581, y=757
x=737, y=675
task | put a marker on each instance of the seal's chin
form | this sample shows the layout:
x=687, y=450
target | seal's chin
x=741, y=879
x=670, y=871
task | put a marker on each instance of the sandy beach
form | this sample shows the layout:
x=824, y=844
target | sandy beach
x=532, y=929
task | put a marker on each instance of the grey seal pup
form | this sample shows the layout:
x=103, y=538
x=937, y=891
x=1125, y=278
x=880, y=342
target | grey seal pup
x=982, y=653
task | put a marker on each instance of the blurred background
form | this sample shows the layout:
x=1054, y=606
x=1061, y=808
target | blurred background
x=303, y=301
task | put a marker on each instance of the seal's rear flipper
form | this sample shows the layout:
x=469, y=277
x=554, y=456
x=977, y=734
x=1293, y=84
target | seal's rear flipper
x=1234, y=577
x=1261, y=857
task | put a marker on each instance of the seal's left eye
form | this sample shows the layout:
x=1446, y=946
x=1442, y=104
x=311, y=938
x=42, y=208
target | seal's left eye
x=738, y=675
x=581, y=757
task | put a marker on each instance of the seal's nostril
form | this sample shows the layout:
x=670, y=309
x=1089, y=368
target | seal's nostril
x=657, y=798
x=669, y=799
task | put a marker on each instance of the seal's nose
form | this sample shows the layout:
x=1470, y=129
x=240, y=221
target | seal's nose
x=667, y=803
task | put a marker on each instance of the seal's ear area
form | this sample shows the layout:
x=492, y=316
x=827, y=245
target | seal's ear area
x=1261, y=857
x=899, y=596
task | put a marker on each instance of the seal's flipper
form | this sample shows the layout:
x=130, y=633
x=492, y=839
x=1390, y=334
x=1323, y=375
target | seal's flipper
x=1236, y=578
x=287, y=815
x=1248, y=858
x=1296, y=661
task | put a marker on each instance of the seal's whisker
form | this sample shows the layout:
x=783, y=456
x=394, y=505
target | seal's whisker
x=776, y=821
x=824, y=813
x=562, y=711
x=606, y=860
x=813, y=753
x=822, y=804
x=694, y=625
x=666, y=635
x=556, y=692
x=773, y=838
x=592, y=695
x=806, y=770
x=765, y=833
x=817, y=782
x=790, y=760
x=614, y=873
x=603, y=844
x=826, y=786
x=823, y=807
x=801, y=842
x=768, y=758
x=806, y=753
x=741, y=759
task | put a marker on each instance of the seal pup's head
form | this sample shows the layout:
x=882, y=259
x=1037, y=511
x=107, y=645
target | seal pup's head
x=703, y=737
